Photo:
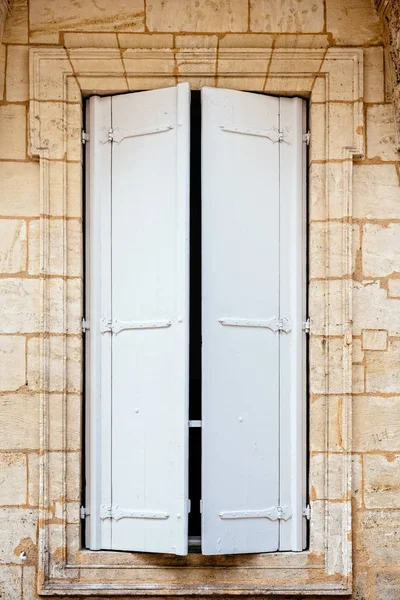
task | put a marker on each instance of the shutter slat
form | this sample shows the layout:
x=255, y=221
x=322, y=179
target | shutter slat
x=293, y=262
x=240, y=240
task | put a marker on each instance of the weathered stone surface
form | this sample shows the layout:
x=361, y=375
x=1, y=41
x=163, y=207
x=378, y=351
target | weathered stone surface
x=19, y=425
x=372, y=309
x=374, y=80
x=12, y=362
x=376, y=424
x=17, y=73
x=2, y=69
x=16, y=26
x=377, y=538
x=86, y=16
x=19, y=189
x=13, y=250
x=287, y=16
x=12, y=479
x=382, y=481
x=381, y=249
x=387, y=585
x=204, y=16
x=17, y=525
x=13, y=129
x=353, y=23
x=376, y=192
x=382, y=369
x=394, y=288
x=58, y=228
x=381, y=132
x=20, y=300
x=57, y=362
x=90, y=40
x=374, y=339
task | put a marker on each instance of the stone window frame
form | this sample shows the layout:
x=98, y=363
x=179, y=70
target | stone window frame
x=332, y=81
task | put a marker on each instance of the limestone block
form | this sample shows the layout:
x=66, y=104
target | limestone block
x=376, y=423
x=16, y=26
x=17, y=527
x=381, y=132
x=29, y=583
x=287, y=16
x=201, y=16
x=382, y=481
x=20, y=301
x=374, y=82
x=358, y=354
x=72, y=462
x=387, y=585
x=12, y=362
x=51, y=82
x=90, y=40
x=322, y=408
x=358, y=383
x=376, y=538
x=353, y=23
x=12, y=478
x=326, y=202
x=61, y=364
x=2, y=69
x=59, y=229
x=394, y=288
x=372, y=309
x=12, y=246
x=10, y=581
x=17, y=73
x=145, y=40
x=196, y=41
x=330, y=237
x=137, y=63
x=19, y=189
x=302, y=41
x=320, y=488
x=73, y=411
x=376, y=192
x=381, y=249
x=101, y=15
x=382, y=369
x=13, y=131
x=356, y=479
x=246, y=40
x=374, y=339
x=333, y=381
x=60, y=129
x=19, y=423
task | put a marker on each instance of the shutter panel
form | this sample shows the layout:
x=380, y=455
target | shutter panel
x=149, y=320
x=248, y=252
x=240, y=219
x=293, y=260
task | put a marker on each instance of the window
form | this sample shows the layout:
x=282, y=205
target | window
x=142, y=353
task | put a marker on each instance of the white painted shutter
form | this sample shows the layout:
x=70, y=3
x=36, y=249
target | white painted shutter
x=149, y=322
x=243, y=357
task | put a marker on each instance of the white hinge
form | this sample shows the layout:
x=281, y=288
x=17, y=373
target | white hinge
x=201, y=506
x=306, y=326
x=307, y=512
x=116, y=326
x=307, y=137
x=85, y=137
x=117, y=513
x=282, y=324
x=189, y=505
x=85, y=325
x=194, y=423
x=273, y=513
x=274, y=134
x=85, y=512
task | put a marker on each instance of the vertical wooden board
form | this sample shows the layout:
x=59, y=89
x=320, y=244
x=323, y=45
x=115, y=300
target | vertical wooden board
x=150, y=257
x=98, y=309
x=240, y=240
x=293, y=224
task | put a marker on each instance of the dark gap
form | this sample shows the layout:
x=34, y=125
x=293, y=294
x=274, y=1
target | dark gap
x=195, y=316
x=84, y=353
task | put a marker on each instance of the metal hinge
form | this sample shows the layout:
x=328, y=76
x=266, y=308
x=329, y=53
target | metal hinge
x=307, y=512
x=273, y=513
x=85, y=325
x=85, y=137
x=116, y=326
x=85, y=512
x=307, y=137
x=201, y=506
x=282, y=324
x=194, y=423
x=117, y=513
x=306, y=326
x=189, y=505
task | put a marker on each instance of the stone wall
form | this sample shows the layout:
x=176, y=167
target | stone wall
x=376, y=271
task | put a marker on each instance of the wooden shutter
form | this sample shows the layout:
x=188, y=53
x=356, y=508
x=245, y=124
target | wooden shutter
x=244, y=319
x=146, y=434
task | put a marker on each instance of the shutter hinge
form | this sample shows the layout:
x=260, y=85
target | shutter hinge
x=85, y=512
x=85, y=325
x=194, y=423
x=201, y=506
x=85, y=137
x=307, y=512
x=117, y=513
x=273, y=513
x=307, y=137
x=189, y=505
x=306, y=326
x=111, y=135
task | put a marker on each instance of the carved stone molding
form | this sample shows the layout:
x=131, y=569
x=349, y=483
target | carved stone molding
x=332, y=82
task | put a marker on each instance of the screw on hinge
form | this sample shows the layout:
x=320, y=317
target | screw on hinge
x=110, y=135
x=307, y=512
x=85, y=325
x=306, y=326
x=84, y=512
x=85, y=137
x=307, y=137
